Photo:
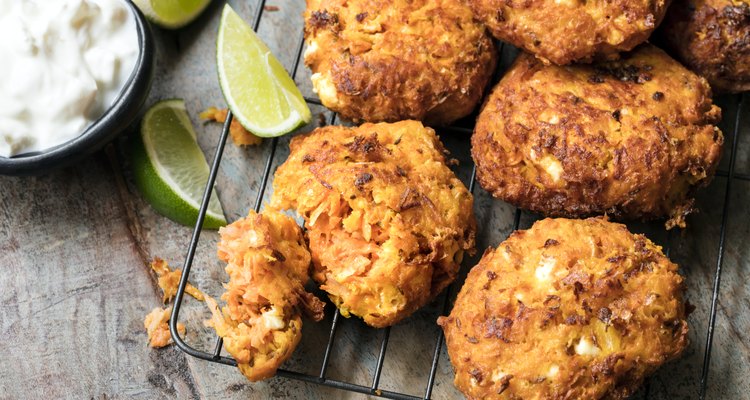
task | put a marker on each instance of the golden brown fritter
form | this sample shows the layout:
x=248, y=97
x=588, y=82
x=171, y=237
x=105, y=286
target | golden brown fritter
x=631, y=138
x=569, y=309
x=387, y=221
x=712, y=37
x=564, y=31
x=391, y=60
x=268, y=264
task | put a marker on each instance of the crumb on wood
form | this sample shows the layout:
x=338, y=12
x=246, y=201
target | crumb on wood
x=157, y=327
x=169, y=280
x=271, y=8
x=240, y=136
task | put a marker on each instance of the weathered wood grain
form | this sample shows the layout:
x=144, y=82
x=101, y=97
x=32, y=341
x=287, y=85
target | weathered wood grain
x=75, y=285
x=71, y=289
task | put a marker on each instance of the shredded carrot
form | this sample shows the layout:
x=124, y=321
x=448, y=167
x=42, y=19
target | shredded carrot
x=268, y=264
x=240, y=135
x=157, y=327
x=169, y=280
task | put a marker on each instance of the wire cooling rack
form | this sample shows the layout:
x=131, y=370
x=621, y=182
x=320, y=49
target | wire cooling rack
x=374, y=388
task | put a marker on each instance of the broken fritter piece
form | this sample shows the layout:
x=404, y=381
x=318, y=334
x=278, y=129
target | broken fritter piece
x=387, y=221
x=569, y=309
x=157, y=321
x=240, y=135
x=169, y=280
x=268, y=264
x=157, y=327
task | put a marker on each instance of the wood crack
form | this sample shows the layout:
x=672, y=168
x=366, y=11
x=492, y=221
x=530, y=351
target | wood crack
x=134, y=224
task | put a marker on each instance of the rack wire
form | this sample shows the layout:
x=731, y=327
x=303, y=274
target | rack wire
x=374, y=388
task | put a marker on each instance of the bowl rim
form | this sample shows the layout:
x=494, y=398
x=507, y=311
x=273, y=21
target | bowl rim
x=120, y=115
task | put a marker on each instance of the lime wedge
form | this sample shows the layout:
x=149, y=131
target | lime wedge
x=169, y=168
x=172, y=14
x=257, y=88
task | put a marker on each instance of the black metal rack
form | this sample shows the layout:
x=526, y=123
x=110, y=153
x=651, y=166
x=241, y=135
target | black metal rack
x=374, y=390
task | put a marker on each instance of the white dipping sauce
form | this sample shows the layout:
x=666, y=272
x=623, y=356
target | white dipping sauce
x=62, y=65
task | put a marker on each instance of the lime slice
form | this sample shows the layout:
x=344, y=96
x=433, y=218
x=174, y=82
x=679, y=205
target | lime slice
x=169, y=168
x=172, y=14
x=257, y=88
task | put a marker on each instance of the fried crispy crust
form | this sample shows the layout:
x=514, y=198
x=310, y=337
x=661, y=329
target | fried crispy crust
x=388, y=222
x=565, y=31
x=391, y=60
x=712, y=37
x=569, y=309
x=268, y=264
x=630, y=138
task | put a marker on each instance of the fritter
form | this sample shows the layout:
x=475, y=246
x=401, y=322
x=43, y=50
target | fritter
x=268, y=264
x=392, y=60
x=387, y=221
x=631, y=138
x=711, y=37
x=569, y=309
x=562, y=32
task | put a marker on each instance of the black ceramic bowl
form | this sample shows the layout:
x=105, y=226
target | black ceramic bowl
x=118, y=117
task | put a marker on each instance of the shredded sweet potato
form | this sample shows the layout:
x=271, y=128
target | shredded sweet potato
x=169, y=280
x=157, y=327
x=388, y=222
x=240, y=135
x=268, y=264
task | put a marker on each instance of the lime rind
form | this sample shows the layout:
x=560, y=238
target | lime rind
x=282, y=105
x=172, y=14
x=170, y=184
x=163, y=152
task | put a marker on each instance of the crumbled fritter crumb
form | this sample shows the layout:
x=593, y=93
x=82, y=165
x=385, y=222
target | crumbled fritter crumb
x=169, y=280
x=240, y=135
x=157, y=327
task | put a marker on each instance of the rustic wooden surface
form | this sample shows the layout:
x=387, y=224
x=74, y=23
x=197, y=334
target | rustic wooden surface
x=75, y=285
